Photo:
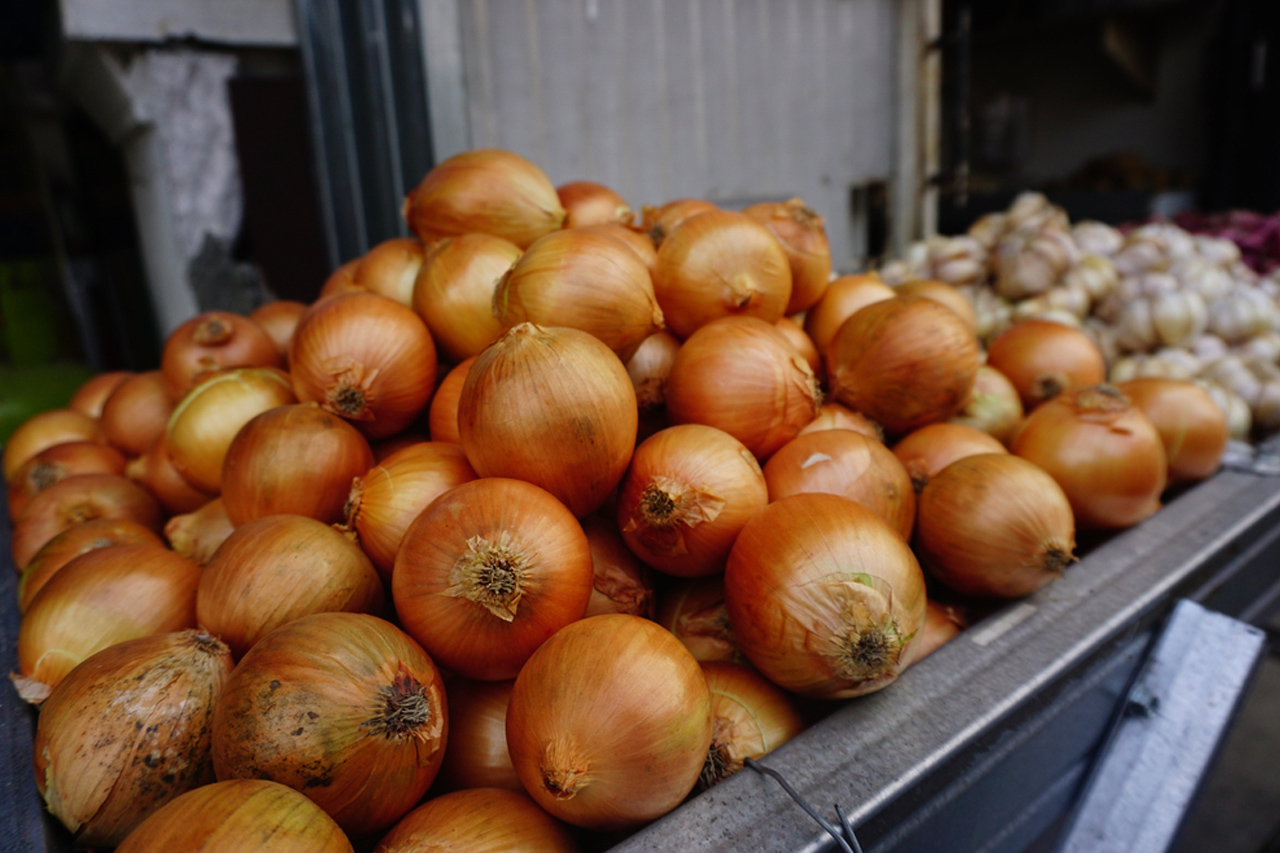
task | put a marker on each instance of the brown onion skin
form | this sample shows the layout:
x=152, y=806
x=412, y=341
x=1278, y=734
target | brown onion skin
x=442, y=417
x=240, y=814
x=127, y=731
x=454, y=292
x=198, y=534
x=803, y=235
x=840, y=301
x=477, y=756
x=71, y=543
x=552, y=406
x=740, y=375
x=100, y=598
x=76, y=499
x=486, y=191
x=904, y=362
x=609, y=722
x=1043, y=359
x=90, y=397
x=650, y=368
x=43, y=431
x=278, y=319
x=297, y=710
x=994, y=526
x=136, y=413
x=1192, y=427
x=340, y=281
x=694, y=611
x=639, y=243
x=588, y=203
x=390, y=269
x=796, y=336
x=275, y=569
x=384, y=501
x=293, y=459
x=487, y=572
x=826, y=600
x=657, y=222
x=926, y=451
x=622, y=583
x=57, y=463
x=1102, y=450
x=942, y=624
x=481, y=820
x=751, y=717
x=836, y=416
x=720, y=264
x=365, y=358
x=993, y=406
x=846, y=463
x=943, y=293
x=214, y=340
x=154, y=469
x=689, y=491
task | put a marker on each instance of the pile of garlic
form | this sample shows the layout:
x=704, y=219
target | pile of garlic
x=1158, y=301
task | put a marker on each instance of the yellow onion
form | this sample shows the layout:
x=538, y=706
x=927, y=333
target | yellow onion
x=390, y=269
x=477, y=756
x=926, y=451
x=741, y=375
x=342, y=280
x=657, y=222
x=480, y=820
x=343, y=707
x=365, y=358
x=904, y=362
x=273, y=570
x=649, y=369
x=993, y=406
x=454, y=291
x=588, y=203
x=278, y=319
x=155, y=470
x=127, y=731
x=942, y=624
x=43, y=431
x=802, y=235
x=102, y=597
x=1192, y=427
x=796, y=336
x=442, y=416
x=584, y=280
x=720, y=264
x=71, y=543
x=136, y=412
x=82, y=497
x=609, y=722
x=994, y=525
x=843, y=462
x=241, y=814
x=639, y=243
x=207, y=418
x=214, y=340
x=198, y=534
x=836, y=416
x=384, y=501
x=750, y=717
x=687, y=494
x=693, y=610
x=1102, y=450
x=825, y=598
x=944, y=294
x=842, y=298
x=552, y=406
x=622, y=583
x=57, y=463
x=92, y=395
x=1044, y=359
x=486, y=191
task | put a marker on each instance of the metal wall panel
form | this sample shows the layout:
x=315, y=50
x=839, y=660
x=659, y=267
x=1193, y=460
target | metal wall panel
x=731, y=100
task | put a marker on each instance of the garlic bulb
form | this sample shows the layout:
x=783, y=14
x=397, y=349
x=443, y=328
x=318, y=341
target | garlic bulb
x=1263, y=348
x=1126, y=368
x=1104, y=335
x=1244, y=313
x=1234, y=375
x=1202, y=277
x=1094, y=274
x=1208, y=348
x=1266, y=408
x=957, y=260
x=1056, y=315
x=994, y=313
x=1182, y=360
x=1165, y=319
x=1097, y=238
x=1073, y=300
x=1239, y=416
x=1154, y=247
x=988, y=230
x=1028, y=264
x=1216, y=250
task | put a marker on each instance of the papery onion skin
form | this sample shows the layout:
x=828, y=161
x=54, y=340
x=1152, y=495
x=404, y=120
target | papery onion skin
x=842, y=298
x=904, y=362
x=43, y=431
x=944, y=294
x=345, y=708
x=384, y=501
x=212, y=341
x=442, y=417
x=1044, y=359
x=796, y=336
x=740, y=375
x=154, y=469
x=487, y=572
x=1104, y=453
x=993, y=406
x=751, y=717
x=488, y=191
x=846, y=463
x=584, y=280
x=552, y=406
x=926, y=451
x=639, y=243
x=622, y=583
x=454, y=292
x=825, y=598
x=278, y=568
x=365, y=358
x=80, y=498
x=994, y=526
x=802, y=234
x=480, y=820
x=58, y=462
x=836, y=416
x=588, y=203
x=657, y=222
x=90, y=397
x=71, y=543
x=127, y=731
x=720, y=264
x=293, y=459
x=942, y=624
x=694, y=611
x=390, y=269
x=278, y=319
x=340, y=281
x=198, y=534
x=609, y=722
x=650, y=368
x=687, y=494
x=477, y=756
x=100, y=598
x=1192, y=427
x=241, y=814
x=136, y=413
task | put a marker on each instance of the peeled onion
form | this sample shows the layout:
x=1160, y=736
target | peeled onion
x=454, y=292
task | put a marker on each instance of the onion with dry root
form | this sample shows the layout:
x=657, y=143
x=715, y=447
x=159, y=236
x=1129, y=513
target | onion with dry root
x=454, y=292
x=609, y=722
x=825, y=598
x=43, y=431
x=57, y=463
x=212, y=341
x=931, y=448
x=750, y=717
x=127, y=731
x=801, y=233
x=693, y=610
x=1044, y=359
x=480, y=820
x=1192, y=427
x=994, y=525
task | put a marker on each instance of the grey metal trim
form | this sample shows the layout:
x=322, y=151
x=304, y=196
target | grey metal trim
x=441, y=32
x=237, y=22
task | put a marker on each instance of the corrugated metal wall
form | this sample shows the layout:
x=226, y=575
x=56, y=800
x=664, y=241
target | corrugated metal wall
x=731, y=100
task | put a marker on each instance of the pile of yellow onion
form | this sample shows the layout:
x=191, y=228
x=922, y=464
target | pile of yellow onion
x=538, y=521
